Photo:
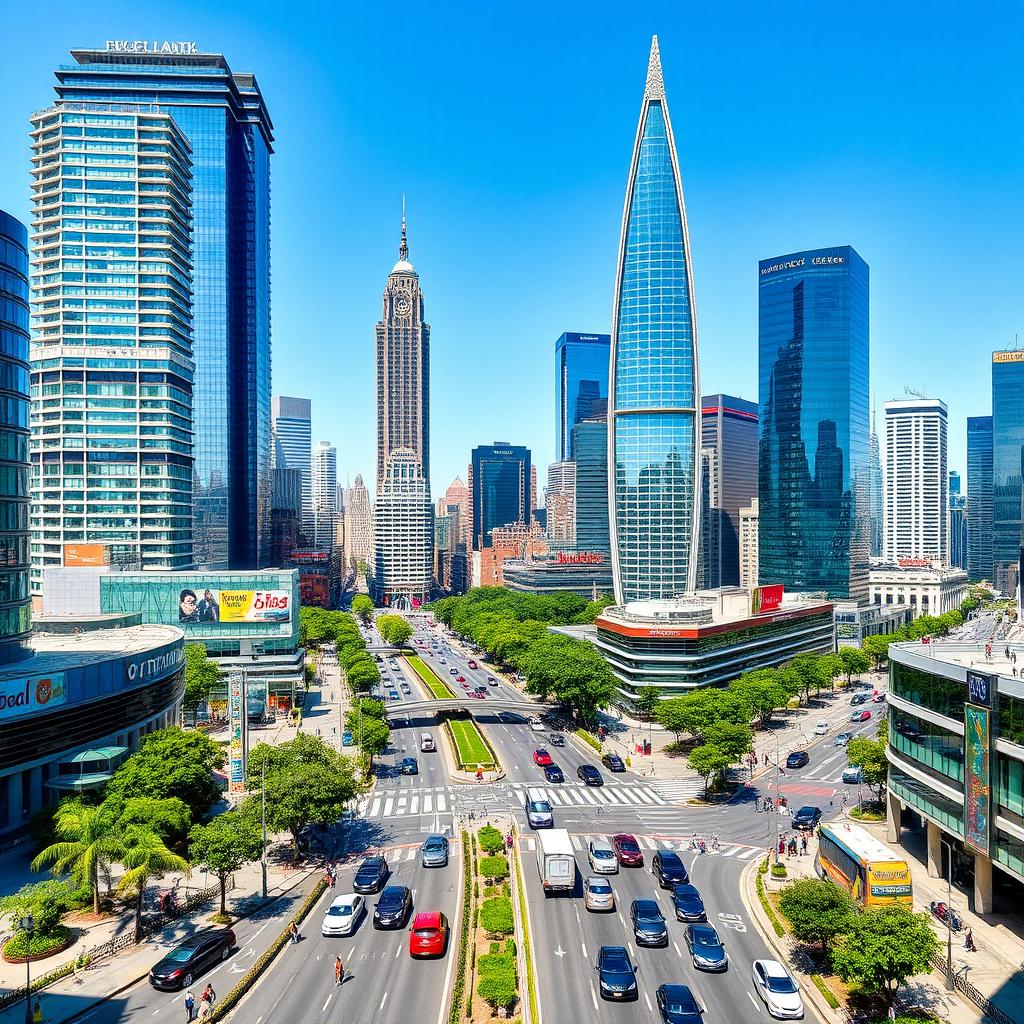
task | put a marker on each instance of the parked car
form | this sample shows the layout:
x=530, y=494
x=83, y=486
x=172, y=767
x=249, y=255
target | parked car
x=853, y=774
x=627, y=850
x=843, y=738
x=602, y=857
x=677, y=1005
x=183, y=964
x=542, y=758
x=598, y=893
x=688, y=904
x=392, y=907
x=429, y=934
x=775, y=985
x=343, y=915
x=434, y=852
x=616, y=974
x=613, y=763
x=649, y=927
x=860, y=716
x=588, y=774
x=706, y=949
x=821, y=729
x=371, y=874
x=807, y=818
x=798, y=759
x=669, y=869
x=552, y=773
x=409, y=766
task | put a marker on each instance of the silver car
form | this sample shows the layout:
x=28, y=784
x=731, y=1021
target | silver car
x=602, y=857
x=434, y=852
x=598, y=893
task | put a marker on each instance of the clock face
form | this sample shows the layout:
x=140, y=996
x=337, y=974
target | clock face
x=402, y=306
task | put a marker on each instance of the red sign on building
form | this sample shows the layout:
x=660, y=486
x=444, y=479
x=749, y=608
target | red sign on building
x=579, y=558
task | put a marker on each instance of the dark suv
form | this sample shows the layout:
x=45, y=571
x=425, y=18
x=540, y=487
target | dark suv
x=393, y=907
x=807, y=818
x=613, y=763
x=371, y=874
x=589, y=775
x=616, y=974
x=670, y=869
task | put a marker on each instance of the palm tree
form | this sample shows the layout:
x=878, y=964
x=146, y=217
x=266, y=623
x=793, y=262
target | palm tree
x=89, y=838
x=145, y=856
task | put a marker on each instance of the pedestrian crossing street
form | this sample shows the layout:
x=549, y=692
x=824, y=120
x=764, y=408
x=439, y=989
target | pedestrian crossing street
x=581, y=842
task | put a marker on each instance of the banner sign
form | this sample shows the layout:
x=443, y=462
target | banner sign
x=978, y=687
x=28, y=695
x=977, y=778
x=238, y=732
x=765, y=599
x=203, y=605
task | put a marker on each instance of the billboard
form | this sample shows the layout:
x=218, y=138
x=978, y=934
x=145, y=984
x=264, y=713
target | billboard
x=26, y=695
x=206, y=605
x=239, y=733
x=977, y=778
x=86, y=554
x=765, y=599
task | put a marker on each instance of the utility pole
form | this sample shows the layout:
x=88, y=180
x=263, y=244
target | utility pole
x=263, y=821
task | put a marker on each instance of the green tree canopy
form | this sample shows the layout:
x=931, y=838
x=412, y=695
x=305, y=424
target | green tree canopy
x=368, y=707
x=170, y=816
x=224, y=845
x=46, y=901
x=855, y=661
x=869, y=756
x=394, y=629
x=763, y=691
x=201, y=676
x=362, y=608
x=570, y=671
x=708, y=762
x=647, y=700
x=829, y=666
x=145, y=857
x=731, y=738
x=376, y=736
x=363, y=675
x=817, y=909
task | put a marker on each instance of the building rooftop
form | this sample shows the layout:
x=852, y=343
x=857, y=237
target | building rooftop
x=722, y=606
x=917, y=567
x=970, y=655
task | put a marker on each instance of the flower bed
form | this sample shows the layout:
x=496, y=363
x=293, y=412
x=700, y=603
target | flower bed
x=17, y=949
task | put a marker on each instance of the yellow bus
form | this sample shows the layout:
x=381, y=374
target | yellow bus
x=867, y=869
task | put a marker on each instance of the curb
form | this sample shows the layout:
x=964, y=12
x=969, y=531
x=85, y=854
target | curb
x=521, y=915
x=459, y=780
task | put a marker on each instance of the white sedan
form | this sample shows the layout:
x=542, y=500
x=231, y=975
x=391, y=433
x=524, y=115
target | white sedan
x=342, y=917
x=821, y=729
x=775, y=985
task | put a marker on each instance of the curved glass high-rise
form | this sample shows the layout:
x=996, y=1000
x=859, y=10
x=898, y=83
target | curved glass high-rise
x=654, y=383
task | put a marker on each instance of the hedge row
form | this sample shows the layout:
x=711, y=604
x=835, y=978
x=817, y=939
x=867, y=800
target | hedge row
x=467, y=893
x=531, y=984
x=496, y=916
x=765, y=904
x=491, y=840
x=829, y=995
x=589, y=738
x=497, y=985
x=494, y=868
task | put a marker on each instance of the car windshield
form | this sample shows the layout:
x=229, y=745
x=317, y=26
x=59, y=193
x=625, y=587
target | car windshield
x=615, y=963
x=647, y=911
x=425, y=933
x=600, y=887
x=181, y=954
x=781, y=984
x=629, y=845
x=540, y=806
x=343, y=911
x=602, y=854
x=705, y=937
x=675, y=1005
x=807, y=812
x=671, y=863
x=370, y=867
x=434, y=844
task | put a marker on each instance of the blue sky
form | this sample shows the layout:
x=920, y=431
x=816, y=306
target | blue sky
x=894, y=128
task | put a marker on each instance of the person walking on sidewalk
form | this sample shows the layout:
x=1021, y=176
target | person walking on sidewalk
x=969, y=942
x=339, y=971
x=190, y=1006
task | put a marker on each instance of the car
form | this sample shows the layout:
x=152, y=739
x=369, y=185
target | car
x=481, y=691
x=537, y=726
x=429, y=934
x=443, y=662
x=613, y=763
x=879, y=698
x=598, y=893
x=392, y=695
x=669, y=869
x=807, y=818
x=602, y=857
x=434, y=852
x=453, y=671
x=859, y=698
x=465, y=686
x=860, y=716
x=627, y=850
x=706, y=950
x=392, y=907
x=853, y=774
x=343, y=915
x=471, y=663
x=649, y=927
x=688, y=904
x=491, y=681
x=405, y=688
x=460, y=679
x=183, y=964
x=542, y=758
x=775, y=985
x=371, y=875
x=588, y=774
x=557, y=739
x=821, y=729
x=677, y=1005
x=409, y=766
x=553, y=773
x=616, y=974
x=798, y=759
x=843, y=738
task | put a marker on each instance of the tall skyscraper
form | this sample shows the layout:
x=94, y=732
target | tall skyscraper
x=749, y=546
x=458, y=495
x=292, y=433
x=499, y=482
x=590, y=444
x=112, y=369
x=729, y=447
x=560, y=504
x=876, y=494
x=813, y=385
x=1007, y=467
x=15, y=603
x=979, y=498
x=581, y=385
x=957, y=523
x=358, y=525
x=325, y=494
x=916, y=480
x=652, y=427
x=225, y=121
x=403, y=368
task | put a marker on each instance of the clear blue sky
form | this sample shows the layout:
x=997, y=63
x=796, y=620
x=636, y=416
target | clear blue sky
x=894, y=128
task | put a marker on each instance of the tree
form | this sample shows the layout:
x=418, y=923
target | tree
x=855, y=661
x=876, y=647
x=201, y=676
x=869, y=756
x=368, y=707
x=172, y=762
x=806, y=667
x=362, y=676
x=572, y=672
x=224, y=845
x=708, y=762
x=46, y=901
x=692, y=713
x=882, y=948
x=673, y=714
x=394, y=629
x=376, y=736
x=88, y=838
x=647, y=700
x=829, y=666
x=169, y=817
x=730, y=738
x=362, y=608
x=763, y=692
x=145, y=857
x=817, y=909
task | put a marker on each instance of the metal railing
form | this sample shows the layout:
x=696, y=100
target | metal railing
x=962, y=985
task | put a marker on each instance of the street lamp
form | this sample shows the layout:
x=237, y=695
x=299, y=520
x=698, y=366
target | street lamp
x=949, y=914
x=263, y=821
x=28, y=925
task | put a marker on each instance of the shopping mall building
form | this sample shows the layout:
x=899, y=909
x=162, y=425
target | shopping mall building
x=956, y=760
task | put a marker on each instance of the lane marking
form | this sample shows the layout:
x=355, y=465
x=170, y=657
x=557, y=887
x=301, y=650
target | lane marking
x=593, y=995
x=385, y=999
x=678, y=950
x=757, y=1005
x=324, y=1007
x=583, y=946
x=648, y=998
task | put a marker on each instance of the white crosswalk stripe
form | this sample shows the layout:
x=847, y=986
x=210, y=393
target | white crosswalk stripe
x=577, y=843
x=747, y=854
x=388, y=806
x=441, y=803
x=680, y=789
x=428, y=803
x=375, y=809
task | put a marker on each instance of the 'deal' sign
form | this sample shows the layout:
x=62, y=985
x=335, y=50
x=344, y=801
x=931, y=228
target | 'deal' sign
x=238, y=741
x=28, y=695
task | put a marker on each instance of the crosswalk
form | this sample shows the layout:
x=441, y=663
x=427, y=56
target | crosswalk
x=581, y=841
x=680, y=790
x=390, y=804
x=602, y=796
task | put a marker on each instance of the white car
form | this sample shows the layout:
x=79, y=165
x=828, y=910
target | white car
x=775, y=985
x=602, y=857
x=821, y=729
x=598, y=894
x=342, y=917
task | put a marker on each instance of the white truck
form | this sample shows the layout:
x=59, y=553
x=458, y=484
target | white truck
x=556, y=861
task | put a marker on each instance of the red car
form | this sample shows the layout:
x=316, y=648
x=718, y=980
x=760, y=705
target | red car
x=860, y=716
x=460, y=679
x=627, y=850
x=429, y=934
x=541, y=758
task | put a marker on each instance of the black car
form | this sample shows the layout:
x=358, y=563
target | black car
x=677, y=1005
x=669, y=868
x=409, y=766
x=616, y=974
x=371, y=874
x=688, y=904
x=649, y=927
x=588, y=774
x=807, y=818
x=393, y=907
x=613, y=763
x=798, y=759
x=553, y=773
x=859, y=698
x=557, y=739
x=187, y=961
x=706, y=949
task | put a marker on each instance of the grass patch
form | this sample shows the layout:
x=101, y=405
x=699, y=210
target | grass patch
x=868, y=812
x=829, y=995
x=590, y=738
x=470, y=747
x=433, y=682
x=766, y=905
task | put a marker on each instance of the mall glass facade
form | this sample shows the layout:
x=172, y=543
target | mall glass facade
x=226, y=122
x=813, y=453
x=979, y=498
x=653, y=441
x=1007, y=466
x=581, y=385
x=15, y=617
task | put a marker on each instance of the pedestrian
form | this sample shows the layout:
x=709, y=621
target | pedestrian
x=190, y=1005
x=339, y=971
x=293, y=932
x=782, y=846
x=892, y=1013
x=792, y=846
x=766, y=761
x=969, y=942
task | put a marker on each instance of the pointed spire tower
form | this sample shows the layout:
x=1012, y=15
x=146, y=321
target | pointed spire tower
x=654, y=386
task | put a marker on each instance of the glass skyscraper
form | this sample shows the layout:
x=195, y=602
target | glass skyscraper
x=590, y=443
x=581, y=385
x=652, y=424
x=226, y=123
x=499, y=489
x=813, y=455
x=979, y=498
x=1007, y=467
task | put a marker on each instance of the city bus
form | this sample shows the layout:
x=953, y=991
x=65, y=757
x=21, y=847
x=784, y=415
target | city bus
x=866, y=868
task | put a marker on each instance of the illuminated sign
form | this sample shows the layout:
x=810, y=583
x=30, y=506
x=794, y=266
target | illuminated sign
x=1008, y=357
x=86, y=554
x=816, y=261
x=819, y=261
x=765, y=599
x=786, y=265
x=579, y=558
x=27, y=695
x=978, y=688
x=205, y=606
x=239, y=733
x=146, y=46
x=977, y=778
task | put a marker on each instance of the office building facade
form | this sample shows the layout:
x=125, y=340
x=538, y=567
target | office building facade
x=1007, y=467
x=358, y=525
x=876, y=494
x=957, y=523
x=653, y=439
x=325, y=495
x=590, y=444
x=403, y=565
x=226, y=123
x=916, y=480
x=581, y=385
x=112, y=370
x=813, y=386
x=499, y=489
x=292, y=435
x=560, y=504
x=748, y=545
x=979, y=498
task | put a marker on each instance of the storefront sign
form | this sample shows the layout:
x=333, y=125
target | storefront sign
x=150, y=46
x=765, y=599
x=239, y=733
x=978, y=688
x=149, y=666
x=29, y=695
x=1008, y=357
x=977, y=778
x=579, y=558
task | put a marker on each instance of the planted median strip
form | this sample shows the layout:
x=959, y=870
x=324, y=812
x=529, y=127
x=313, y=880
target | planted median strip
x=434, y=683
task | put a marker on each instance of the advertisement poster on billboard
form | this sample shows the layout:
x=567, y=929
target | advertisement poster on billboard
x=239, y=733
x=201, y=605
x=28, y=695
x=766, y=599
x=977, y=778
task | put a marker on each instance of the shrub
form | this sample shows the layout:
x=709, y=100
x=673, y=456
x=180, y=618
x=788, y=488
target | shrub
x=494, y=868
x=460, y=974
x=766, y=905
x=497, y=984
x=491, y=840
x=779, y=871
x=496, y=916
x=589, y=738
x=53, y=942
x=829, y=995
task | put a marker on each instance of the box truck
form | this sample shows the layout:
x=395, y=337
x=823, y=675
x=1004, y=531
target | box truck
x=556, y=861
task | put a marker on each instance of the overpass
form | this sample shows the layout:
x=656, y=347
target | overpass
x=400, y=709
